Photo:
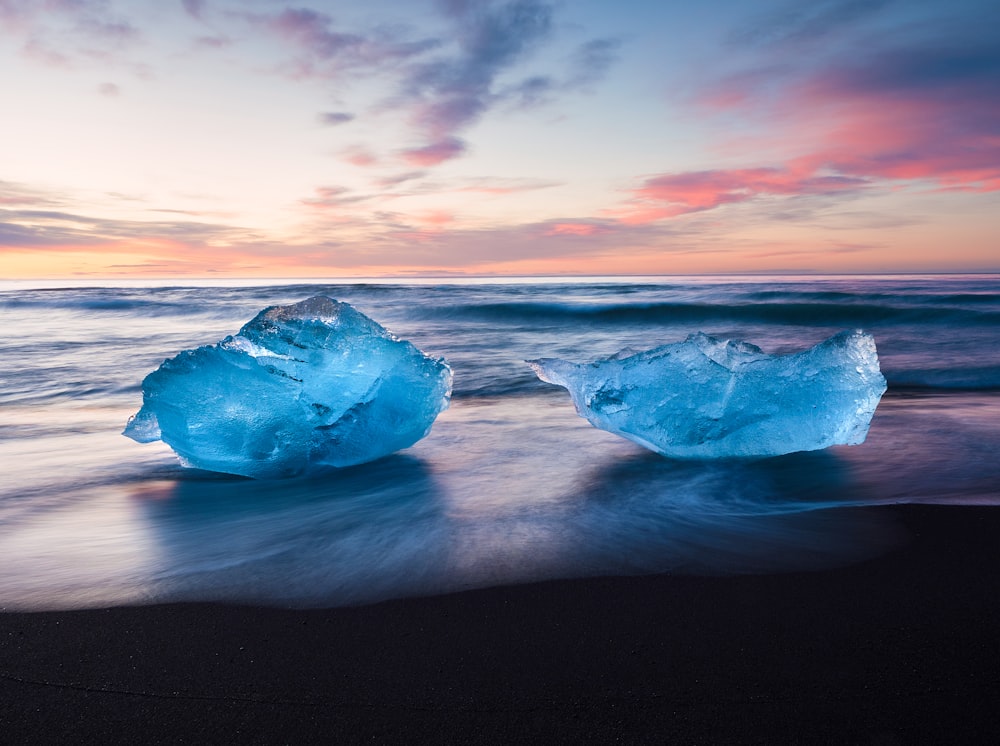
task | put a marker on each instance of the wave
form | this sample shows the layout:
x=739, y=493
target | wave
x=841, y=296
x=143, y=303
x=952, y=380
x=95, y=304
x=984, y=378
x=797, y=313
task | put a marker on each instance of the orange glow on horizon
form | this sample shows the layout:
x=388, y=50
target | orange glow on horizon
x=575, y=229
x=917, y=251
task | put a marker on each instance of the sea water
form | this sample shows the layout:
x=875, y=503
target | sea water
x=510, y=485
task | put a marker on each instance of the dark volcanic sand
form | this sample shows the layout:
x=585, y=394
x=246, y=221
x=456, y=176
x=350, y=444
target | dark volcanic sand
x=904, y=648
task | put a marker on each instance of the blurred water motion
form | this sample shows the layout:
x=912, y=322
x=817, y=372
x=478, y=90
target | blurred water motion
x=536, y=494
x=510, y=486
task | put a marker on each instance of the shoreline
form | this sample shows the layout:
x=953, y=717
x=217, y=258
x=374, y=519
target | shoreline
x=901, y=648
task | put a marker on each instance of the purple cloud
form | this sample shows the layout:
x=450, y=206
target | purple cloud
x=925, y=107
x=805, y=23
x=334, y=196
x=54, y=230
x=448, y=94
x=591, y=62
x=397, y=179
x=444, y=85
x=212, y=42
x=194, y=8
x=532, y=91
x=108, y=31
x=333, y=118
x=61, y=33
x=311, y=30
x=434, y=153
x=323, y=51
x=12, y=194
x=588, y=64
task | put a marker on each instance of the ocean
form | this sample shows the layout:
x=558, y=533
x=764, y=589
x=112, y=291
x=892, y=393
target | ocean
x=510, y=486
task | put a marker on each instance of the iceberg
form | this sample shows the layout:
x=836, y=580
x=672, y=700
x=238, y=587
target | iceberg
x=310, y=385
x=708, y=398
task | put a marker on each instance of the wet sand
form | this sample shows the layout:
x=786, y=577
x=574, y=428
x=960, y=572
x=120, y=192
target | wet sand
x=901, y=649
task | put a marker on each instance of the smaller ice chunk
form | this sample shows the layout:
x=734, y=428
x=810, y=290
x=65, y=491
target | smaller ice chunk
x=710, y=398
x=313, y=384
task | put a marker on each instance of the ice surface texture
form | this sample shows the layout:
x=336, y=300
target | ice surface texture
x=709, y=398
x=314, y=384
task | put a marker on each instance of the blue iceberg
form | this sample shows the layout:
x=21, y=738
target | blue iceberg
x=709, y=398
x=311, y=385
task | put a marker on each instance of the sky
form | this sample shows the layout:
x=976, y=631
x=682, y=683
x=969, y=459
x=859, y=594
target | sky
x=321, y=138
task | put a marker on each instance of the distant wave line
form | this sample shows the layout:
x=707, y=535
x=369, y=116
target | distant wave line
x=790, y=313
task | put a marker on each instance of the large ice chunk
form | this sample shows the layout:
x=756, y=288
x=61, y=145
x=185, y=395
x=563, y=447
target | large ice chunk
x=314, y=384
x=709, y=398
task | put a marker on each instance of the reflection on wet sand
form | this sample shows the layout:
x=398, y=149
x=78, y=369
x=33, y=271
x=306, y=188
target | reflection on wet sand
x=489, y=514
x=504, y=490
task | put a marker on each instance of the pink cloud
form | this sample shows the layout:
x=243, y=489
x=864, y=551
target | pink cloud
x=882, y=120
x=575, y=229
x=19, y=195
x=213, y=42
x=435, y=219
x=322, y=50
x=671, y=195
x=195, y=8
x=418, y=236
x=330, y=197
x=359, y=155
x=311, y=30
x=443, y=85
x=435, y=153
x=502, y=186
x=906, y=140
x=67, y=33
x=387, y=182
x=919, y=113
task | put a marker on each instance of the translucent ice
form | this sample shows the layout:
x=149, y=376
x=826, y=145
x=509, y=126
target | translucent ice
x=309, y=385
x=708, y=398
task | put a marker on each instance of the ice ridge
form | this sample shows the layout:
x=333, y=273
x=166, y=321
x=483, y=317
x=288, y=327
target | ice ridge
x=310, y=385
x=710, y=398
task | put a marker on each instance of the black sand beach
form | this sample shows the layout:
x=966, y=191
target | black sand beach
x=901, y=649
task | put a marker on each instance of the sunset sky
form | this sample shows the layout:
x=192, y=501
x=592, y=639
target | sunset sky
x=258, y=138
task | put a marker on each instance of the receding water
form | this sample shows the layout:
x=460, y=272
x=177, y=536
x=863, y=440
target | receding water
x=510, y=486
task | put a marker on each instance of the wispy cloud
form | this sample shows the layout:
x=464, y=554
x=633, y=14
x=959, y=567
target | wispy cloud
x=33, y=227
x=435, y=152
x=921, y=108
x=496, y=185
x=910, y=113
x=333, y=118
x=21, y=195
x=324, y=50
x=195, y=8
x=359, y=155
x=578, y=228
x=586, y=66
x=805, y=23
x=671, y=195
x=334, y=196
x=591, y=61
x=212, y=42
x=65, y=32
x=394, y=180
x=447, y=94
x=110, y=31
x=443, y=83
